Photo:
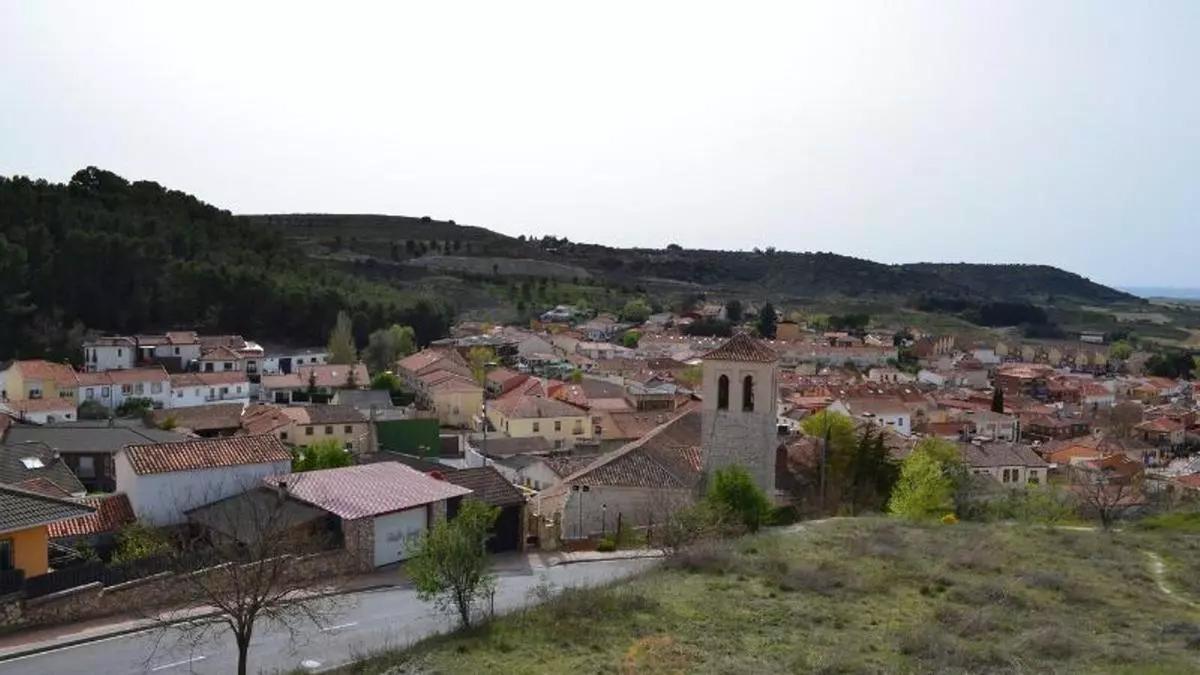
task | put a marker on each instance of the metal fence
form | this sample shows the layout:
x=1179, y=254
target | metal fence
x=91, y=572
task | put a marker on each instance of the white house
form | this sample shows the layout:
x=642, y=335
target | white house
x=192, y=389
x=883, y=412
x=163, y=480
x=109, y=353
x=40, y=410
x=111, y=388
x=285, y=360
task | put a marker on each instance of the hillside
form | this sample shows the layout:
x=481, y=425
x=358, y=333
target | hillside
x=862, y=595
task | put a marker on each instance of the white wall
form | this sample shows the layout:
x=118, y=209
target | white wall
x=193, y=395
x=116, y=394
x=160, y=499
x=104, y=357
x=585, y=515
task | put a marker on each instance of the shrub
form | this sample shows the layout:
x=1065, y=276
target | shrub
x=949, y=519
x=136, y=541
x=707, y=557
x=93, y=410
x=132, y=407
x=734, y=490
x=606, y=545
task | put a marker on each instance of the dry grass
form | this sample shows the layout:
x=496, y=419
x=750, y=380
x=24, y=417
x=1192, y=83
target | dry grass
x=856, y=596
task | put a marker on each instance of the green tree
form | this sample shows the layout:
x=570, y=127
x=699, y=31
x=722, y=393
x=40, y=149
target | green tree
x=342, y=349
x=767, y=320
x=134, y=406
x=451, y=567
x=929, y=478
x=327, y=454
x=873, y=472
x=630, y=339
x=386, y=346
x=479, y=358
x=136, y=541
x=998, y=400
x=576, y=376
x=636, y=310
x=733, y=489
x=386, y=381
x=1120, y=351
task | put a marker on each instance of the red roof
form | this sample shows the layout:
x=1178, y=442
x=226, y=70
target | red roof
x=742, y=347
x=1162, y=425
x=37, y=369
x=206, y=453
x=112, y=513
x=367, y=490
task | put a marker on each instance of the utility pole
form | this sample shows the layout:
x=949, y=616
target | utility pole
x=825, y=460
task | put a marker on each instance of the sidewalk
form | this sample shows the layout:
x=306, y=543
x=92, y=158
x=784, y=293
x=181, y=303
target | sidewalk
x=571, y=557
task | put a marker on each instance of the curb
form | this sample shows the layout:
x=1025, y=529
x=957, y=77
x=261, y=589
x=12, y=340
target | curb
x=644, y=556
x=43, y=648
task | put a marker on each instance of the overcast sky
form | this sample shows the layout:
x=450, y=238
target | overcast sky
x=1053, y=132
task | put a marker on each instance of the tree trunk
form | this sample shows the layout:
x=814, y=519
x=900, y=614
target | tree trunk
x=243, y=646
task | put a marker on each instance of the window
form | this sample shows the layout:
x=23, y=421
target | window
x=748, y=394
x=329, y=430
x=87, y=466
x=536, y=427
x=349, y=446
x=558, y=425
x=578, y=428
x=35, y=392
x=90, y=393
x=723, y=392
x=208, y=367
x=177, y=351
x=1033, y=477
x=120, y=352
x=156, y=387
x=105, y=392
x=308, y=431
x=283, y=435
x=6, y=554
x=348, y=429
x=228, y=366
x=126, y=389
x=224, y=391
x=141, y=388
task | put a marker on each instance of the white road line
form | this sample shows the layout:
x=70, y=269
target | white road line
x=177, y=663
x=340, y=625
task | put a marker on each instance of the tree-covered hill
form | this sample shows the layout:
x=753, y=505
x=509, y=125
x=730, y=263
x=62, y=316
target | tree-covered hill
x=103, y=254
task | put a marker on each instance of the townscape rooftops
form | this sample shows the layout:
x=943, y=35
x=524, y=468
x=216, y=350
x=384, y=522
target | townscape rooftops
x=367, y=490
x=201, y=418
x=534, y=407
x=61, y=374
x=206, y=453
x=503, y=446
x=22, y=509
x=1000, y=455
x=742, y=347
x=669, y=456
x=215, y=379
x=28, y=461
x=487, y=485
x=324, y=414
x=89, y=436
x=124, y=376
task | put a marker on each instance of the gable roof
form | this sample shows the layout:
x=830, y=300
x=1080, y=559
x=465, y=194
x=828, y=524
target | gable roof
x=366, y=490
x=180, y=380
x=487, y=485
x=16, y=467
x=89, y=436
x=206, y=453
x=112, y=512
x=742, y=347
x=504, y=446
x=61, y=374
x=1000, y=454
x=324, y=414
x=200, y=418
x=531, y=407
x=21, y=509
x=668, y=457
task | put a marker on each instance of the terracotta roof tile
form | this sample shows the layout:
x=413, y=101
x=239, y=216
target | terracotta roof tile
x=366, y=490
x=206, y=453
x=21, y=509
x=112, y=513
x=742, y=347
x=38, y=369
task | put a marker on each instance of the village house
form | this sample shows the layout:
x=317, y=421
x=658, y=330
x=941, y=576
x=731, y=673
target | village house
x=37, y=467
x=97, y=530
x=174, y=350
x=382, y=509
x=38, y=379
x=1023, y=379
x=889, y=413
x=24, y=537
x=193, y=389
x=1046, y=428
x=518, y=416
x=1008, y=463
x=109, y=353
x=316, y=423
x=280, y=360
x=490, y=487
x=1162, y=431
x=164, y=480
x=40, y=410
x=206, y=421
x=308, y=382
x=111, y=388
x=455, y=399
x=87, y=447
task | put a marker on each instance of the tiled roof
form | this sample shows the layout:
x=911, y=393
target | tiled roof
x=367, y=490
x=111, y=514
x=21, y=509
x=668, y=457
x=180, y=380
x=742, y=347
x=220, y=353
x=46, y=465
x=37, y=405
x=531, y=407
x=206, y=453
x=487, y=485
x=1162, y=425
x=324, y=414
x=334, y=375
x=503, y=446
x=89, y=436
x=262, y=418
x=43, y=486
x=38, y=369
x=200, y=418
x=1000, y=454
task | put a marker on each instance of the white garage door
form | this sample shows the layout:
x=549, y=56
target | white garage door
x=397, y=534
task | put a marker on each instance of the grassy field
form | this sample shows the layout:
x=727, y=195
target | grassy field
x=865, y=595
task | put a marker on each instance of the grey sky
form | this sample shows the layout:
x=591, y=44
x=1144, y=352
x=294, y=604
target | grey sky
x=1057, y=132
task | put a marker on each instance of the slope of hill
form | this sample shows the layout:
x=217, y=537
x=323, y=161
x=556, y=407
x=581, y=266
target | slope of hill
x=861, y=596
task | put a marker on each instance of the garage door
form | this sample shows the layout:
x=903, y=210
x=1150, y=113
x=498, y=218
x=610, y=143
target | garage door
x=397, y=534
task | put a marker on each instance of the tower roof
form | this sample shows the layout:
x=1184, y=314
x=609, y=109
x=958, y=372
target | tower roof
x=742, y=347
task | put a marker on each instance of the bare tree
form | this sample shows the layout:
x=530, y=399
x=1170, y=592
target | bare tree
x=1105, y=496
x=249, y=565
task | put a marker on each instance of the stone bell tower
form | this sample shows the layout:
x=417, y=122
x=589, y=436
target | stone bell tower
x=739, y=423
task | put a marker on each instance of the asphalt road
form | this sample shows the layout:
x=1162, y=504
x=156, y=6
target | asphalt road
x=356, y=624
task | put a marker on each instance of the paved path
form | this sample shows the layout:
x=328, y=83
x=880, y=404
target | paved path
x=364, y=622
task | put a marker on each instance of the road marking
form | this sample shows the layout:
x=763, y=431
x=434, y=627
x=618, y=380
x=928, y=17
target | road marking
x=310, y=664
x=178, y=663
x=340, y=625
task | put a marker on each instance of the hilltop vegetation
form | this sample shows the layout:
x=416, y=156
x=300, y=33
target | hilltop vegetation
x=101, y=253
x=861, y=595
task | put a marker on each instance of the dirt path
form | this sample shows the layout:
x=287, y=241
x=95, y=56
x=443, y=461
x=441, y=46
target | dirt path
x=1158, y=570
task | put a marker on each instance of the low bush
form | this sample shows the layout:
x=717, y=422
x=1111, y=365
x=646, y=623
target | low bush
x=706, y=557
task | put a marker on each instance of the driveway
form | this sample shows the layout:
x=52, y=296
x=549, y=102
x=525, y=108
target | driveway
x=360, y=623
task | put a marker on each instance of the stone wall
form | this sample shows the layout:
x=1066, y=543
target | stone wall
x=359, y=537
x=158, y=591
